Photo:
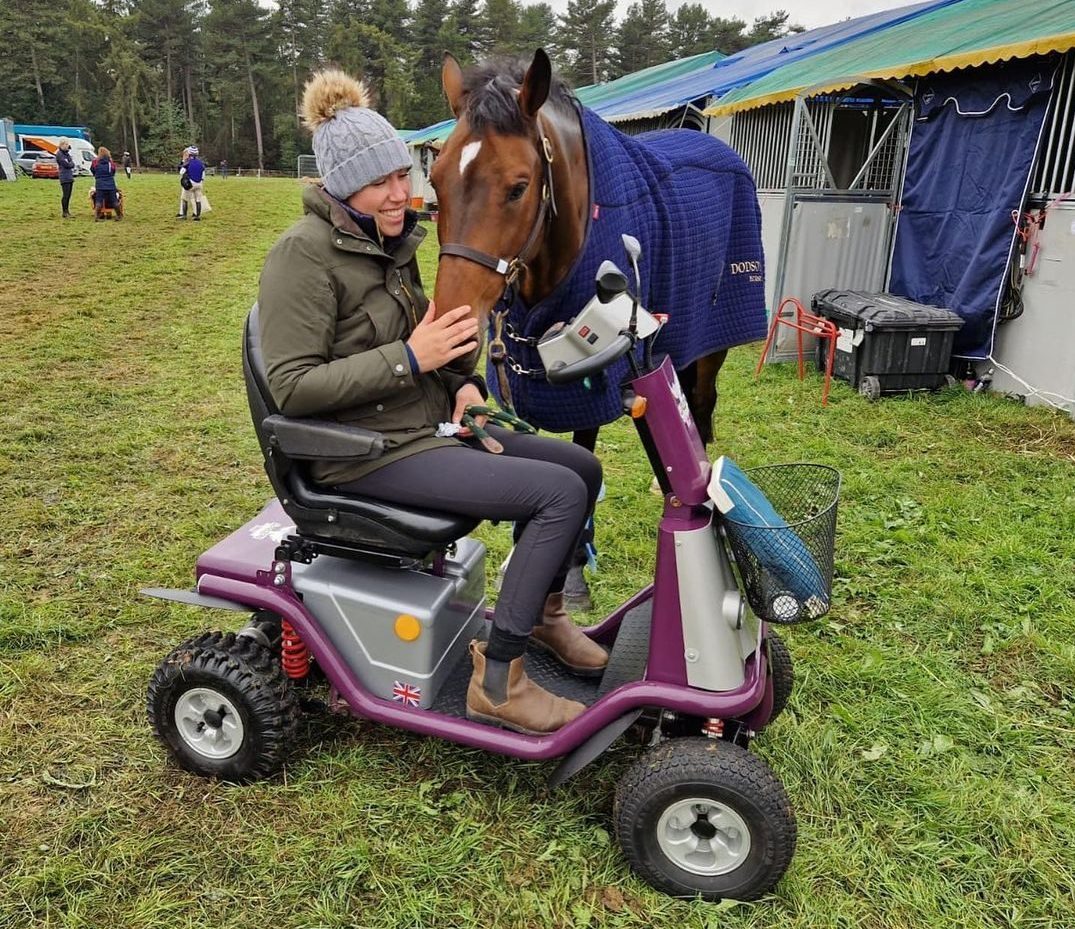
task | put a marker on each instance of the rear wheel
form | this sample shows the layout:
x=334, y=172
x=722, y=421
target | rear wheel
x=870, y=387
x=705, y=818
x=223, y=707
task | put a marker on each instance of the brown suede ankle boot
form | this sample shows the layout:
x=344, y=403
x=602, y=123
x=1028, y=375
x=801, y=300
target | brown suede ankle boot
x=558, y=634
x=500, y=693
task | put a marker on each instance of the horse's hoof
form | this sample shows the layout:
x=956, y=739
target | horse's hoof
x=577, y=591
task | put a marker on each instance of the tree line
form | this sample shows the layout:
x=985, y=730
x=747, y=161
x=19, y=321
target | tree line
x=150, y=76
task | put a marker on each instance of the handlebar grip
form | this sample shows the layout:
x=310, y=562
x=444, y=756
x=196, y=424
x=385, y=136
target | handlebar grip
x=566, y=373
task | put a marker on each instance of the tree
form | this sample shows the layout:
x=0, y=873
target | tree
x=499, y=33
x=643, y=38
x=466, y=31
x=385, y=63
x=773, y=26
x=240, y=47
x=585, y=36
x=537, y=29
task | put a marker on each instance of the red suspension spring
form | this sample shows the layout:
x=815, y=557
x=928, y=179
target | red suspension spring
x=294, y=655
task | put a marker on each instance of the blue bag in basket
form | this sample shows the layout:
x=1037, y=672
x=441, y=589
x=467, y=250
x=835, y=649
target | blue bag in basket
x=779, y=550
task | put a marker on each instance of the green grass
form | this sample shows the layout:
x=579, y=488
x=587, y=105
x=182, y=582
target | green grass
x=927, y=749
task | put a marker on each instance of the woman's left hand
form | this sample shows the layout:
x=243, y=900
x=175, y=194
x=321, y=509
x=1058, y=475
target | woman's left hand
x=467, y=395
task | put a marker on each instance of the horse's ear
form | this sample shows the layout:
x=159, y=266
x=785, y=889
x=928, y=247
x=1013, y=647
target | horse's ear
x=451, y=79
x=535, y=89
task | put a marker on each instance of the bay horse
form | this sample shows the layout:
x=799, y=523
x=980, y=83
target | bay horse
x=533, y=191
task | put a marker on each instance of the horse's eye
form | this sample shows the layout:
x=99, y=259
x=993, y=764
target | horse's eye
x=517, y=191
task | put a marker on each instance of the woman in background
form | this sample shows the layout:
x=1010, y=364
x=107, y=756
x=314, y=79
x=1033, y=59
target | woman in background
x=104, y=178
x=67, y=175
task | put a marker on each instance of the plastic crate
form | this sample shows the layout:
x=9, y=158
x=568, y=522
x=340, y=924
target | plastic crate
x=888, y=343
x=776, y=562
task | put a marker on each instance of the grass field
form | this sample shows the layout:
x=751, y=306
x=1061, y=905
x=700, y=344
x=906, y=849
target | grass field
x=928, y=748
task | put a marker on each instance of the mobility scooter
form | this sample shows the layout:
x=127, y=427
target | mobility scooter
x=384, y=600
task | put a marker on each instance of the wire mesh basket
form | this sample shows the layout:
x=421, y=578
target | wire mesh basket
x=787, y=569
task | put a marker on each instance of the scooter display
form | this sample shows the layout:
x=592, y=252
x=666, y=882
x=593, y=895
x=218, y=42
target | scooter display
x=384, y=601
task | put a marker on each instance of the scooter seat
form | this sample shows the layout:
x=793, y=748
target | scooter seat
x=371, y=524
x=321, y=514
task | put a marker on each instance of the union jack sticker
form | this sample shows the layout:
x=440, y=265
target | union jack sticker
x=407, y=694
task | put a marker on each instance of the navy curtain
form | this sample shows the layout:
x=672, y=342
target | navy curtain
x=973, y=145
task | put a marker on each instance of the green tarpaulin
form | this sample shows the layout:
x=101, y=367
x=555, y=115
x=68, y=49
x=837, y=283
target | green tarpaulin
x=965, y=34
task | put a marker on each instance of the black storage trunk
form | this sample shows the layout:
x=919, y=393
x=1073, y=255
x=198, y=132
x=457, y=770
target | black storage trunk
x=887, y=343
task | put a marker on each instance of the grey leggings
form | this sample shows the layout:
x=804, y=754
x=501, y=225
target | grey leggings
x=547, y=486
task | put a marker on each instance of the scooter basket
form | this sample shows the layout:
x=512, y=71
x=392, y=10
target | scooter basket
x=786, y=569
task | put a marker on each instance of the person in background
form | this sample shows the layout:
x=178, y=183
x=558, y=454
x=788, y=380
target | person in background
x=67, y=175
x=347, y=333
x=103, y=169
x=127, y=164
x=191, y=178
x=183, y=159
x=223, y=168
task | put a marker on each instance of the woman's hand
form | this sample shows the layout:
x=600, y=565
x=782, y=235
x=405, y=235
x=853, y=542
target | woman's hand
x=435, y=342
x=467, y=395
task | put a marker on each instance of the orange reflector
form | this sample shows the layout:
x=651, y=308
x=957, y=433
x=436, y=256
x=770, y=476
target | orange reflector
x=407, y=627
x=638, y=407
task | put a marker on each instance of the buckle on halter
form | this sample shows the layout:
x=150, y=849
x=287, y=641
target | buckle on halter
x=497, y=351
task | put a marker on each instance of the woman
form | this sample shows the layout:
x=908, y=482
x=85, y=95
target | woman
x=103, y=169
x=346, y=332
x=67, y=175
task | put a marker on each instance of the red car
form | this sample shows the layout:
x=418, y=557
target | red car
x=46, y=166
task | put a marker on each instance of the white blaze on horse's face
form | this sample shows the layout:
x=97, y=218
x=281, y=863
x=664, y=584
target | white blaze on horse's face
x=469, y=153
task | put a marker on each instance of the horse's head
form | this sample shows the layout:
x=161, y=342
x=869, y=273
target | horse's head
x=494, y=183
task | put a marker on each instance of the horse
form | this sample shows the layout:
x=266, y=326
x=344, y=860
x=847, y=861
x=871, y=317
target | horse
x=533, y=191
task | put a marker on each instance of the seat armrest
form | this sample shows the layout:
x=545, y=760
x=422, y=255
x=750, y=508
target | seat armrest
x=321, y=439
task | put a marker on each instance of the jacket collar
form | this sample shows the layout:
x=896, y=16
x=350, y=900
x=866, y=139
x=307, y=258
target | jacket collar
x=317, y=201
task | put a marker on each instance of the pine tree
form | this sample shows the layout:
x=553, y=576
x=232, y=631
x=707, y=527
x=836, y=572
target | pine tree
x=642, y=39
x=585, y=36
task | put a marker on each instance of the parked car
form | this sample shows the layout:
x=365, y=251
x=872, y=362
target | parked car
x=45, y=166
x=26, y=159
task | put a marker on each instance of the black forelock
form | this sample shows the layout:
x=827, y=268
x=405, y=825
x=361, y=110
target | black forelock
x=491, y=101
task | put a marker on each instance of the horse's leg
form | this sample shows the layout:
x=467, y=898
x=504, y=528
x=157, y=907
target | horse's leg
x=699, y=382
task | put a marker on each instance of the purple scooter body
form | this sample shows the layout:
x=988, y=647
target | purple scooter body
x=242, y=569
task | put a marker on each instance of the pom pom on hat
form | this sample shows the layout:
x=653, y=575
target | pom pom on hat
x=328, y=92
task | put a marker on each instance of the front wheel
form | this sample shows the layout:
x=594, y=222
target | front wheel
x=223, y=707
x=705, y=818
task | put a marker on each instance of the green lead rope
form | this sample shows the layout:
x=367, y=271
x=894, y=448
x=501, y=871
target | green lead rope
x=505, y=418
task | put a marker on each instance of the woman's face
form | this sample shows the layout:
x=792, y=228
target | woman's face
x=385, y=200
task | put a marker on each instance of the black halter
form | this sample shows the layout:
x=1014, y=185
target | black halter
x=511, y=269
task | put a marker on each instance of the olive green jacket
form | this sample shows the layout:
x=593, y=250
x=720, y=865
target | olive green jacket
x=335, y=313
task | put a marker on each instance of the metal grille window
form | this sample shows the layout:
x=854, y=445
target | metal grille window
x=842, y=142
x=1055, y=171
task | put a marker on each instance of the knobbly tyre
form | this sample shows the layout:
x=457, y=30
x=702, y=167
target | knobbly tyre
x=384, y=601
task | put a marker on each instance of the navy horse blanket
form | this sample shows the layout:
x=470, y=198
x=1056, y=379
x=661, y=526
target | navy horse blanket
x=691, y=201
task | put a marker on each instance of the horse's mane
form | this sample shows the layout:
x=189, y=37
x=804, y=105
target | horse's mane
x=491, y=101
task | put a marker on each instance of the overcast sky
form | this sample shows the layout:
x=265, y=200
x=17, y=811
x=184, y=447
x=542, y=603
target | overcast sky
x=809, y=13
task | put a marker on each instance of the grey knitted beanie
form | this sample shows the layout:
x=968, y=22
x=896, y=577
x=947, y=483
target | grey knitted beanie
x=354, y=145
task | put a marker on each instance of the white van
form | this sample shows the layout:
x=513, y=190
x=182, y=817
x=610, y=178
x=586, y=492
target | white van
x=82, y=153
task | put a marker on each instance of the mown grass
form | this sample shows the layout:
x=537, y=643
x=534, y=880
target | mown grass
x=927, y=749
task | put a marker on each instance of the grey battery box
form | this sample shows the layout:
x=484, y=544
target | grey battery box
x=400, y=630
x=593, y=329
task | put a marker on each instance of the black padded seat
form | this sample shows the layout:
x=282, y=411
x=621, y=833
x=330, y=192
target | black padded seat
x=322, y=513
